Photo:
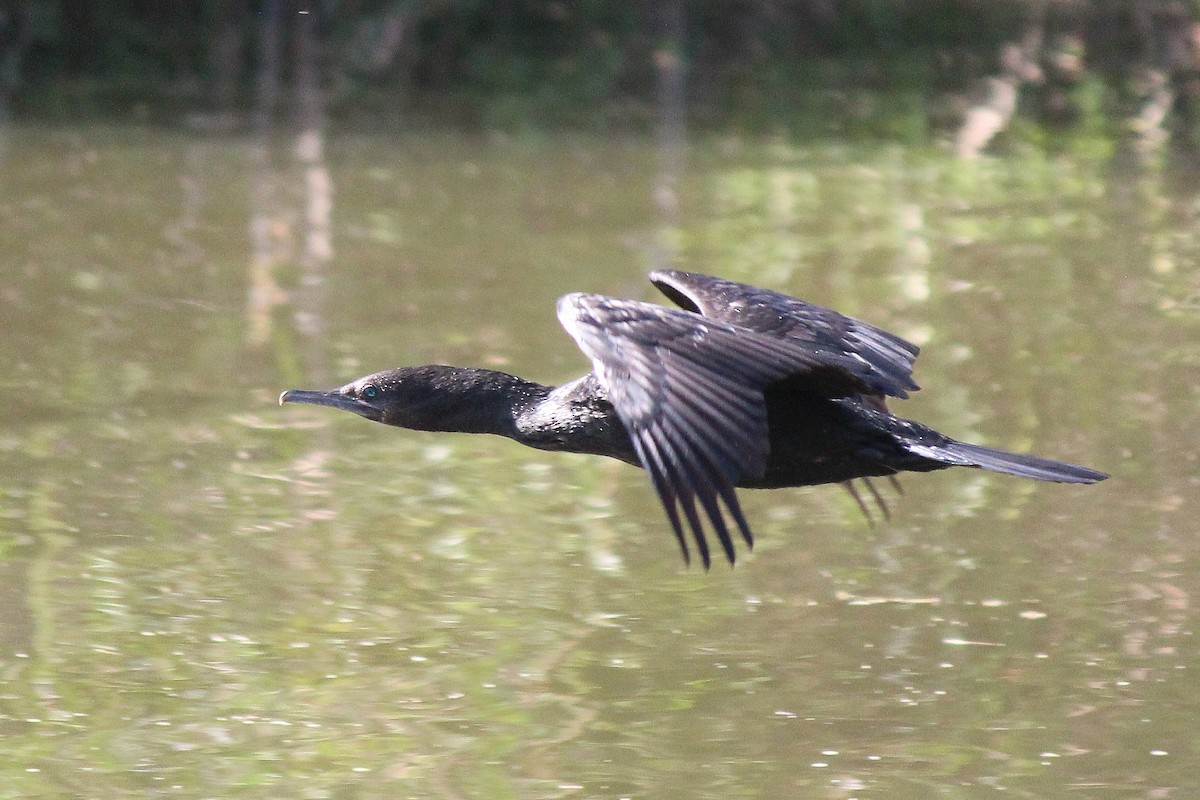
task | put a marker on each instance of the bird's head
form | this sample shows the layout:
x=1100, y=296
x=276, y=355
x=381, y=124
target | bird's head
x=369, y=396
x=400, y=397
x=427, y=398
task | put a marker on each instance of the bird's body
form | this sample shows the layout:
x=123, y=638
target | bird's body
x=744, y=387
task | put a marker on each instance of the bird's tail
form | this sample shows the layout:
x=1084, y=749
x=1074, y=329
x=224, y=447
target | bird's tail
x=962, y=454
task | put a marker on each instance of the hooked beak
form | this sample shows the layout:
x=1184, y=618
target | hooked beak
x=334, y=398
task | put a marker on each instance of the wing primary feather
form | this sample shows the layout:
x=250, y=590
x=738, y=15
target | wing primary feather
x=689, y=510
x=708, y=494
x=684, y=483
x=705, y=463
x=710, y=486
x=735, y=511
x=666, y=494
x=708, y=499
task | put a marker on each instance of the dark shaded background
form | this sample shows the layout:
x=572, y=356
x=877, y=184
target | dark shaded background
x=909, y=69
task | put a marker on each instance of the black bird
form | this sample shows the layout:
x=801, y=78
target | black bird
x=744, y=387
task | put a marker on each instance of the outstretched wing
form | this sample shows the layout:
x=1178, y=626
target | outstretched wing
x=689, y=391
x=779, y=315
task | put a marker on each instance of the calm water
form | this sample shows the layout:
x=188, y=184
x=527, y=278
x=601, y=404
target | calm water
x=206, y=595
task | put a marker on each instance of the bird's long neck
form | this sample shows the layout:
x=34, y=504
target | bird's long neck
x=575, y=417
x=472, y=401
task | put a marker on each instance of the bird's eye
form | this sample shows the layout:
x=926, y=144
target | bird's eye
x=369, y=391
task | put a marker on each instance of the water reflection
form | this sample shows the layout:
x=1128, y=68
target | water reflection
x=202, y=594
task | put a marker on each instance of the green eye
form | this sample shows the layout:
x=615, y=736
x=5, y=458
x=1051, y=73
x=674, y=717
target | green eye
x=369, y=392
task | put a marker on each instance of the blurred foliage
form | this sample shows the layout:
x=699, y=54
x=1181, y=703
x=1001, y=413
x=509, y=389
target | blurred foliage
x=897, y=69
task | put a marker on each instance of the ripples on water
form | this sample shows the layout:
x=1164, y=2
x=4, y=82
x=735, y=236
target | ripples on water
x=205, y=593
